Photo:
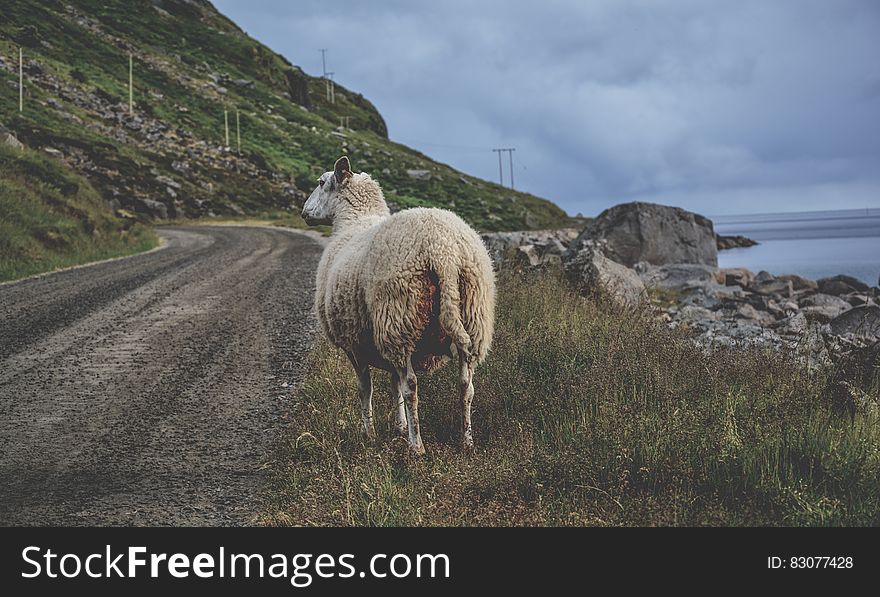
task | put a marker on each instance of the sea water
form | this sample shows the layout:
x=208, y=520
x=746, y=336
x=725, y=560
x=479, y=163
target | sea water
x=813, y=244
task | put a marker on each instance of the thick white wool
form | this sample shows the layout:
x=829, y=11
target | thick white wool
x=372, y=274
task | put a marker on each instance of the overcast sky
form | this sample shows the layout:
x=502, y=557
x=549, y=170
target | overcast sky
x=720, y=107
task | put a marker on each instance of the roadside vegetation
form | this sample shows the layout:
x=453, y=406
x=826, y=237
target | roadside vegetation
x=588, y=416
x=50, y=217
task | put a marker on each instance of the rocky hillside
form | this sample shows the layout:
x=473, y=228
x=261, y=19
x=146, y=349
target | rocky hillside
x=169, y=157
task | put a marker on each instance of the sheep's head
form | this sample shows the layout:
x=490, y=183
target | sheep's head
x=321, y=206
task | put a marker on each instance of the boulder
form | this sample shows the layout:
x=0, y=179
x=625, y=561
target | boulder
x=838, y=285
x=675, y=276
x=799, y=283
x=748, y=312
x=156, y=209
x=419, y=174
x=863, y=322
x=735, y=276
x=792, y=325
x=777, y=287
x=824, y=300
x=591, y=271
x=7, y=138
x=657, y=234
x=857, y=299
x=546, y=242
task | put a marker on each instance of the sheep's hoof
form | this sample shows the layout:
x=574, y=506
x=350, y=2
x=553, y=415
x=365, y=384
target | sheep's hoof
x=417, y=449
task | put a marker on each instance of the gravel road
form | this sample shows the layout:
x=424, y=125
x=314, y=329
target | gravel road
x=148, y=390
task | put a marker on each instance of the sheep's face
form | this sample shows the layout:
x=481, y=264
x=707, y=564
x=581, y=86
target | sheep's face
x=320, y=208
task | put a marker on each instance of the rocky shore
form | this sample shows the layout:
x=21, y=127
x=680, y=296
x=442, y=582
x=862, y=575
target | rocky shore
x=665, y=259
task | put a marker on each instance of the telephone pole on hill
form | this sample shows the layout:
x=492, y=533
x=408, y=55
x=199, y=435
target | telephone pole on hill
x=509, y=151
x=500, y=171
x=323, y=62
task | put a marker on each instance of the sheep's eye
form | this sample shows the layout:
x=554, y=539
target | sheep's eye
x=321, y=182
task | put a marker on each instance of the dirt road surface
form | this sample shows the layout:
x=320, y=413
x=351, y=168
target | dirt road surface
x=148, y=390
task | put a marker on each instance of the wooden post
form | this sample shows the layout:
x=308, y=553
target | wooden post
x=20, y=81
x=238, y=131
x=226, y=123
x=130, y=84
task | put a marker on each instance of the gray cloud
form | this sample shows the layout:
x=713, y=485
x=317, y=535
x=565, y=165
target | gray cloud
x=718, y=107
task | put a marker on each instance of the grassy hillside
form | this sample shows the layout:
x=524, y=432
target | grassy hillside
x=50, y=217
x=169, y=158
x=586, y=416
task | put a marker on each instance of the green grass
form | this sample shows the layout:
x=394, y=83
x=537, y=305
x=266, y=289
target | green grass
x=586, y=416
x=50, y=218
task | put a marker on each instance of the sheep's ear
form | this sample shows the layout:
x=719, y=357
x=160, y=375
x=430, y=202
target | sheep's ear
x=342, y=169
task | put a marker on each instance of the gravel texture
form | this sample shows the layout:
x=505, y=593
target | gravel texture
x=148, y=390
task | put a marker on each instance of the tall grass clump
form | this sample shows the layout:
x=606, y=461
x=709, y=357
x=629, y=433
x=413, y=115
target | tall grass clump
x=585, y=415
x=50, y=217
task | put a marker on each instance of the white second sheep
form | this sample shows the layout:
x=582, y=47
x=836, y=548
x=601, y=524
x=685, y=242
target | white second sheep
x=401, y=293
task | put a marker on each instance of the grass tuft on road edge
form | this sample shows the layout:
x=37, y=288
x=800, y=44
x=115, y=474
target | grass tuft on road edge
x=585, y=416
x=51, y=217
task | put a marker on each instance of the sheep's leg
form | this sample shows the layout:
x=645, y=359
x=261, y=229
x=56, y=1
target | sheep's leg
x=466, y=391
x=365, y=391
x=410, y=385
x=397, y=397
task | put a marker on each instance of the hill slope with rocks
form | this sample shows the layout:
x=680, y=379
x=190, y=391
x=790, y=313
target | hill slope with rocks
x=169, y=156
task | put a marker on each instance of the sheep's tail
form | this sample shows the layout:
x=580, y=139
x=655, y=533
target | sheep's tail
x=450, y=306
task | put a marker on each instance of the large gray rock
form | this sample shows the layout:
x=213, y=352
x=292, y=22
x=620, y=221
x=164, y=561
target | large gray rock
x=841, y=284
x=823, y=307
x=657, y=234
x=591, y=271
x=863, y=322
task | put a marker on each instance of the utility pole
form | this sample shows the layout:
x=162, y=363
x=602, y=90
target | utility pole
x=238, y=132
x=226, y=123
x=20, y=81
x=509, y=151
x=500, y=171
x=130, y=84
x=323, y=62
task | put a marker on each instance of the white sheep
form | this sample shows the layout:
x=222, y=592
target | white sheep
x=400, y=292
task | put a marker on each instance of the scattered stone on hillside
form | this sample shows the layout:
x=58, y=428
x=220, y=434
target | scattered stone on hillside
x=861, y=322
x=838, y=285
x=657, y=234
x=7, y=138
x=591, y=271
x=546, y=242
x=419, y=174
x=733, y=242
x=156, y=209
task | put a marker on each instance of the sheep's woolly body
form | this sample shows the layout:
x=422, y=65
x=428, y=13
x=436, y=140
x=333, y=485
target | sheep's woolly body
x=379, y=270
